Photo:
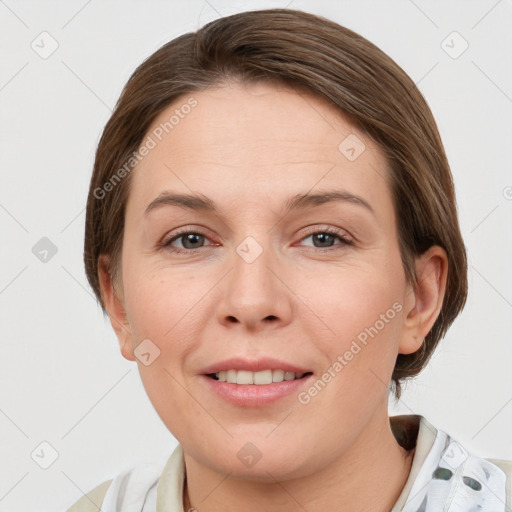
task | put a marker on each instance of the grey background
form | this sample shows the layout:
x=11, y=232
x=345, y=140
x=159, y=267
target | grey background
x=63, y=380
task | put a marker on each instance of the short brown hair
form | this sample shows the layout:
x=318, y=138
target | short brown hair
x=302, y=50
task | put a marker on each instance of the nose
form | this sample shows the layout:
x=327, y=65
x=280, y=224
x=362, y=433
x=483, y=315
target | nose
x=255, y=292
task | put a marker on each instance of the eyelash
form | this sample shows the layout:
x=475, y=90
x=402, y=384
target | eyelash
x=314, y=231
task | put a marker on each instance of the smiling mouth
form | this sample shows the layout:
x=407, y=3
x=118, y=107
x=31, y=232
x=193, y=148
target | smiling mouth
x=264, y=377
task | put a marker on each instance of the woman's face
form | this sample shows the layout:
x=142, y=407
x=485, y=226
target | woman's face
x=294, y=257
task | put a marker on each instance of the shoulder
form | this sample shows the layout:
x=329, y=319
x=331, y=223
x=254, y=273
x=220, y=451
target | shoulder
x=506, y=467
x=93, y=500
x=444, y=472
x=140, y=486
x=136, y=485
x=466, y=478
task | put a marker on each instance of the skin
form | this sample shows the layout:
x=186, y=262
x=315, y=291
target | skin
x=249, y=148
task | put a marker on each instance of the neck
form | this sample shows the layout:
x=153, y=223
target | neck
x=369, y=477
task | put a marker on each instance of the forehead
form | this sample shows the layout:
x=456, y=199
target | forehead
x=261, y=140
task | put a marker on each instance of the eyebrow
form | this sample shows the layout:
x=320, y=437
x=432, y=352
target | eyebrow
x=306, y=200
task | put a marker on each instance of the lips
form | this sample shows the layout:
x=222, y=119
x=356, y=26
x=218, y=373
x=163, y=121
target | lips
x=254, y=383
x=244, y=396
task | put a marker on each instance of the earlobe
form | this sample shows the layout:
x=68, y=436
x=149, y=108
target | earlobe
x=115, y=308
x=425, y=299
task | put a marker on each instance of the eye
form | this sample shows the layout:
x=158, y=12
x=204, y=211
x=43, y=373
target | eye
x=325, y=238
x=190, y=239
x=471, y=482
x=442, y=474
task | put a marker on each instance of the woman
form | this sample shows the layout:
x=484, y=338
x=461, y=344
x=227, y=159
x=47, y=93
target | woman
x=272, y=229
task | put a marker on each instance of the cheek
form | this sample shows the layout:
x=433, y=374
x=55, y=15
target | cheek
x=358, y=360
x=170, y=311
x=361, y=313
x=168, y=316
x=351, y=302
x=160, y=305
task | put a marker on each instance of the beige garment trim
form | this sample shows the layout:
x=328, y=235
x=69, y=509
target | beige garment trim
x=93, y=500
x=506, y=466
x=170, y=485
x=426, y=437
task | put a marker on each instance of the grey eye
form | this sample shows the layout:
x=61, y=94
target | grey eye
x=471, y=482
x=442, y=474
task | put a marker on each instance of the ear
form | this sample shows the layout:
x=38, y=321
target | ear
x=424, y=300
x=114, y=304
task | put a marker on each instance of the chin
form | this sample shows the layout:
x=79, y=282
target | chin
x=259, y=461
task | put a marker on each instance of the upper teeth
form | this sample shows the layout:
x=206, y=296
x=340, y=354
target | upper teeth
x=263, y=377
